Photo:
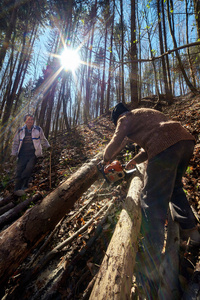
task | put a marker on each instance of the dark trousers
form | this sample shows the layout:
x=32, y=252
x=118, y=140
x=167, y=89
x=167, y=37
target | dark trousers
x=25, y=165
x=163, y=184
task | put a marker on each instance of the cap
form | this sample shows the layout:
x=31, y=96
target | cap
x=119, y=109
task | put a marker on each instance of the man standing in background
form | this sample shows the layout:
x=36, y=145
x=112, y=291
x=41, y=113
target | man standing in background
x=27, y=146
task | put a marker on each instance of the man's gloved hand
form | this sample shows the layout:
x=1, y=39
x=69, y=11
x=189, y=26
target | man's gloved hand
x=102, y=162
x=130, y=165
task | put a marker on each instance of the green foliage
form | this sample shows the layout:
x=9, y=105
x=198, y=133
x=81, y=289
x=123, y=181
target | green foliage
x=128, y=156
x=31, y=205
x=185, y=191
x=148, y=5
x=5, y=179
x=189, y=170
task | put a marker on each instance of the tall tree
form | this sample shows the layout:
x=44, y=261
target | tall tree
x=167, y=90
x=9, y=30
x=110, y=59
x=106, y=21
x=187, y=41
x=122, y=50
x=133, y=56
x=172, y=32
x=166, y=48
x=197, y=16
x=148, y=28
x=93, y=16
x=24, y=59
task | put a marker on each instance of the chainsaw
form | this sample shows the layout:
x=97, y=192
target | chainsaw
x=114, y=171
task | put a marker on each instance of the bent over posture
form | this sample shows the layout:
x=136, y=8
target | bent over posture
x=167, y=147
x=27, y=146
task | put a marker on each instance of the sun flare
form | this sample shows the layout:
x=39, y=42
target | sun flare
x=70, y=59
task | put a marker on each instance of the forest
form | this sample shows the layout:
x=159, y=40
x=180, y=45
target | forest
x=68, y=62
x=128, y=50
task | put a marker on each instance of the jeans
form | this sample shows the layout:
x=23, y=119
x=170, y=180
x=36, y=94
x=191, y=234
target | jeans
x=25, y=165
x=163, y=184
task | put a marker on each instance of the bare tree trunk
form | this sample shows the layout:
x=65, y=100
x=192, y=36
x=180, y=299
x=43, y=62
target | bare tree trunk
x=103, y=77
x=197, y=16
x=122, y=52
x=110, y=61
x=65, y=101
x=26, y=60
x=153, y=63
x=21, y=237
x=8, y=34
x=56, y=119
x=12, y=93
x=133, y=54
x=187, y=41
x=49, y=111
x=167, y=90
x=165, y=44
x=140, y=68
x=171, y=22
x=88, y=81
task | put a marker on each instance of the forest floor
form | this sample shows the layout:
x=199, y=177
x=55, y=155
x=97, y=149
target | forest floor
x=70, y=273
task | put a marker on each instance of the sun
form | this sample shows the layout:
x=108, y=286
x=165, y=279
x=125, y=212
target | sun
x=70, y=59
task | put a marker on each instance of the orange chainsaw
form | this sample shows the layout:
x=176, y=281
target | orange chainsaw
x=114, y=171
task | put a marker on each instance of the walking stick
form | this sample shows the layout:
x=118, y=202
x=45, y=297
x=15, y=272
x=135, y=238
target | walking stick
x=50, y=170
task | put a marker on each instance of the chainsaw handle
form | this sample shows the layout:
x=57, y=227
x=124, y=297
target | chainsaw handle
x=131, y=164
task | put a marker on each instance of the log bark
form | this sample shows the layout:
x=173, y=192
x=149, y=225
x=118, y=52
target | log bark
x=6, y=208
x=6, y=200
x=114, y=279
x=14, y=212
x=21, y=237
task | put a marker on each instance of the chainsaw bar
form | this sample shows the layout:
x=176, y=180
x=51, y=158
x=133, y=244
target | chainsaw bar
x=130, y=171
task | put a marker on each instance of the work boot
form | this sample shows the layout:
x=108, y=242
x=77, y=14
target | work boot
x=19, y=193
x=19, y=190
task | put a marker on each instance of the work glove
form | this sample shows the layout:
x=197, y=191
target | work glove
x=102, y=162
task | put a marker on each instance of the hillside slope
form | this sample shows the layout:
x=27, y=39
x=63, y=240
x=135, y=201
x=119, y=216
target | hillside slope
x=71, y=271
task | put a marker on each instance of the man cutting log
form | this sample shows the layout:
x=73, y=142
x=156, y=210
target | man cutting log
x=167, y=147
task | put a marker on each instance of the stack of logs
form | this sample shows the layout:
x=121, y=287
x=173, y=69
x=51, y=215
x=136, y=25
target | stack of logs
x=115, y=277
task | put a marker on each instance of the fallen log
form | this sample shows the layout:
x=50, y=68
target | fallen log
x=59, y=285
x=6, y=200
x=21, y=237
x=14, y=212
x=6, y=208
x=114, y=279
